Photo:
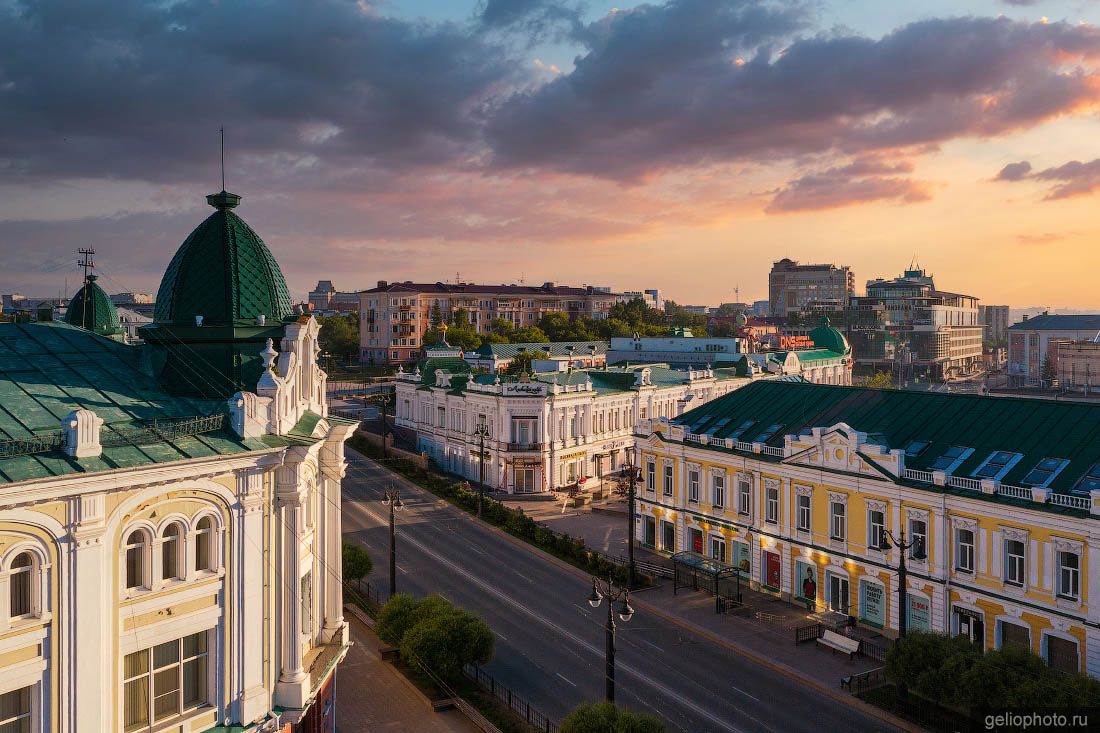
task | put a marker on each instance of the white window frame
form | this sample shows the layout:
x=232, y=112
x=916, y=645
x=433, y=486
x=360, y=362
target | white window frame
x=718, y=489
x=1015, y=564
x=651, y=476
x=876, y=529
x=35, y=584
x=1065, y=573
x=965, y=550
x=914, y=534
x=151, y=672
x=804, y=506
x=744, y=496
x=838, y=521
x=29, y=715
x=771, y=504
x=667, y=481
x=145, y=560
x=693, y=485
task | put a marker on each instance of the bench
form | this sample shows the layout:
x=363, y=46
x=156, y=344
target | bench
x=840, y=643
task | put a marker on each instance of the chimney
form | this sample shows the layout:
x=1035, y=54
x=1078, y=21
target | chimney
x=548, y=285
x=382, y=283
x=1025, y=316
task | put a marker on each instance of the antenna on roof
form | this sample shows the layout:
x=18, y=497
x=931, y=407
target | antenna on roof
x=86, y=262
x=221, y=130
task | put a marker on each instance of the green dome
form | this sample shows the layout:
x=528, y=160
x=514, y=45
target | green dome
x=827, y=337
x=223, y=272
x=91, y=308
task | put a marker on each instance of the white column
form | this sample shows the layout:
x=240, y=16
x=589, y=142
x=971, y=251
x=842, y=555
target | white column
x=292, y=689
x=332, y=471
x=88, y=618
x=248, y=583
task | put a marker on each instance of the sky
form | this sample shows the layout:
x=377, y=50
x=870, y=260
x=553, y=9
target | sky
x=681, y=145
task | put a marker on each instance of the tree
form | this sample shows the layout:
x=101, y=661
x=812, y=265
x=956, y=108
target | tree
x=1047, y=371
x=435, y=317
x=604, y=717
x=461, y=318
x=522, y=362
x=529, y=335
x=355, y=561
x=339, y=335
x=402, y=612
x=877, y=380
x=444, y=642
x=503, y=326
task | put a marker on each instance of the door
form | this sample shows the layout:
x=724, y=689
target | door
x=838, y=593
x=649, y=531
x=718, y=549
x=668, y=531
x=970, y=625
x=696, y=540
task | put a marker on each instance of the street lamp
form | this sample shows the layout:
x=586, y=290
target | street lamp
x=601, y=590
x=632, y=474
x=392, y=500
x=917, y=545
x=481, y=431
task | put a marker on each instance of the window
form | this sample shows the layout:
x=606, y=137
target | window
x=771, y=505
x=1062, y=654
x=135, y=560
x=649, y=531
x=20, y=584
x=441, y=415
x=1044, y=472
x=15, y=711
x=952, y=457
x=996, y=465
x=876, y=530
x=1090, y=481
x=804, y=512
x=668, y=536
x=1069, y=575
x=1014, y=562
x=918, y=535
x=169, y=552
x=838, y=527
x=306, y=599
x=650, y=477
x=204, y=544
x=915, y=448
x=668, y=480
x=718, y=549
x=693, y=486
x=165, y=681
x=964, y=550
x=744, y=497
x=524, y=480
x=771, y=430
x=736, y=434
x=719, y=489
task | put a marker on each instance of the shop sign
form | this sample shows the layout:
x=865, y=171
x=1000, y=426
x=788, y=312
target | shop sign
x=920, y=613
x=742, y=558
x=872, y=603
x=525, y=390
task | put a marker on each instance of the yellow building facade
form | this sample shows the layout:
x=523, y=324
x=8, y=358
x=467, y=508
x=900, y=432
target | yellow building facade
x=807, y=505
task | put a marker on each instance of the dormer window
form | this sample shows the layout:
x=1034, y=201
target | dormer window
x=1090, y=481
x=736, y=434
x=1044, y=472
x=916, y=447
x=950, y=459
x=996, y=465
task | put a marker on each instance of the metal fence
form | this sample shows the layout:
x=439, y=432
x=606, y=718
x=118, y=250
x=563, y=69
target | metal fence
x=518, y=705
x=863, y=682
x=653, y=570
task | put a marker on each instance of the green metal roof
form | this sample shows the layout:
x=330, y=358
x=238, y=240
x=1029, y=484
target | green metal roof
x=1037, y=429
x=223, y=272
x=49, y=369
x=556, y=348
x=827, y=337
x=91, y=308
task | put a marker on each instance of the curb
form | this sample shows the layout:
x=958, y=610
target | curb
x=775, y=666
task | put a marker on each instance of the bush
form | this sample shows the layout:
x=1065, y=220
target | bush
x=402, y=612
x=355, y=562
x=443, y=643
x=604, y=717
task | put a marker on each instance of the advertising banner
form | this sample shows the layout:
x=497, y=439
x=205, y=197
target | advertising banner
x=805, y=576
x=872, y=603
x=920, y=613
x=773, y=574
x=742, y=558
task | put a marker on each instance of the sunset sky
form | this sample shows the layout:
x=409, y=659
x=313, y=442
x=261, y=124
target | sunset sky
x=681, y=145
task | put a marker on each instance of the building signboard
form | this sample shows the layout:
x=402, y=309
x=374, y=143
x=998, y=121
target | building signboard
x=742, y=558
x=524, y=389
x=805, y=576
x=920, y=613
x=872, y=603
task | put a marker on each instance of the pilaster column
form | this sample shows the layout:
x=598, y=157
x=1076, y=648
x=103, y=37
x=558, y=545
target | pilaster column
x=248, y=585
x=332, y=473
x=292, y=689
x=86, y=657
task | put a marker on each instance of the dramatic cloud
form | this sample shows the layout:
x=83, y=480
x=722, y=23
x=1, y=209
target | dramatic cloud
x=861, y=182
x=661, y=86
x=1073, y=178
x=537, y=19
x=1014, y=171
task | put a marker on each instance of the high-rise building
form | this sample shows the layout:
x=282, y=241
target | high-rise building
x=761, y=308
x=793, y=287
x=905, y=320
x=995, y=318
x=395, y=316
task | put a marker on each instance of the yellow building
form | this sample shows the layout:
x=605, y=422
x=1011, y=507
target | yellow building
x=802, y=487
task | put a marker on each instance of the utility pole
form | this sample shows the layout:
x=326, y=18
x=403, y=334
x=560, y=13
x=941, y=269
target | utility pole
x=632, y=479
x=392, y=500
x=86, y=262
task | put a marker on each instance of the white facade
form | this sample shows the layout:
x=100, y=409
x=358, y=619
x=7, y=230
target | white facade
x=542, y=435
x=674, y=349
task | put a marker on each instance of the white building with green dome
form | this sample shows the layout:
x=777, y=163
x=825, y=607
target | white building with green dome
x=170, y=543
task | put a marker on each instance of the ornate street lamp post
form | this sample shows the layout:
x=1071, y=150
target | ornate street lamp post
x=917, y=545
x=632, y=474
x=392, y=500
x=601, y=590
x=481, y=431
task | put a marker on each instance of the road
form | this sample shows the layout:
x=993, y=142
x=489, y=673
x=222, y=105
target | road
x=550, y=642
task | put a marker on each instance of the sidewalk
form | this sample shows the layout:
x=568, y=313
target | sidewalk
x=372, y=698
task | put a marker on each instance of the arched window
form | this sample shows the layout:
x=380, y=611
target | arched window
x=204, y=544
x=135, y=560
x=170, y=553
x=21, y=584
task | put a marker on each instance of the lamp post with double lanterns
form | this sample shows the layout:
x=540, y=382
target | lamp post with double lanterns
x=481, y=431
x=393, y=501
x=606, y=589
x=632, y=474
x=917, y=545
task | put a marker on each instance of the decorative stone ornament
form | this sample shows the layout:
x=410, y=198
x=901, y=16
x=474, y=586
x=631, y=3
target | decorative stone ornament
x=81, y=428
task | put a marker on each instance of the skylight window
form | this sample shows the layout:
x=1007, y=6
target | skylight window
x=1044, y=472
x=736, y=434
x=950, y=458
x=767, y=434
x=916, y=447
x=996, y=465
x=1091, y=480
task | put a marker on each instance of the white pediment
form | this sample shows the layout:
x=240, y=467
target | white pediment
x=841, y=448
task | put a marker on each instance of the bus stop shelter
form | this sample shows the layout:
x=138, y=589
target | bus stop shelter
x=699, y=572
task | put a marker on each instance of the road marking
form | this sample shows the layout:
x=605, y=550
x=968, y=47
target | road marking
x=592, y=648
x=658, y=648
x=567, y=679
x=738, y=689
x=502, y=636
x=471, y=547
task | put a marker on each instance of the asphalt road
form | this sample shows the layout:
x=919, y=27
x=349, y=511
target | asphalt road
x=550, y=642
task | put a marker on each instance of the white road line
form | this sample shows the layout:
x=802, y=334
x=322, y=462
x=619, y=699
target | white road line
x=502, y=636
x=567, y=679
x=639, y=639
x=738, y=689
x=597, y=651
